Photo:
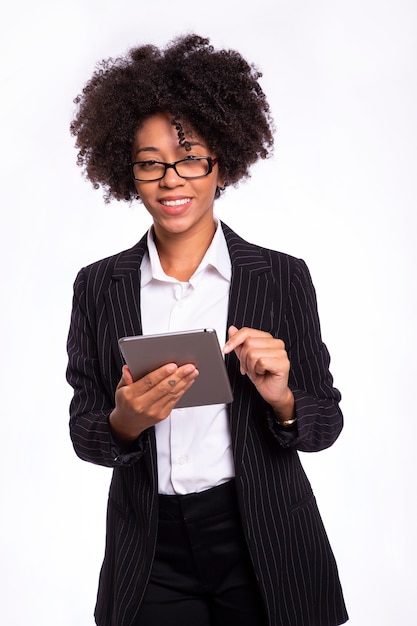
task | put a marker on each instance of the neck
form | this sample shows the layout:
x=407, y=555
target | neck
x=181, y=254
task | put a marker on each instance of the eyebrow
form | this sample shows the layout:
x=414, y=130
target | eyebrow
x=154, y=149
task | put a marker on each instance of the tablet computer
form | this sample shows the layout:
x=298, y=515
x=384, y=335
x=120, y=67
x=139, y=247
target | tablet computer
x=145, y=353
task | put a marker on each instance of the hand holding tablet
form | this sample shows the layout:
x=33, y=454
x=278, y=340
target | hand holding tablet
x=146, y=353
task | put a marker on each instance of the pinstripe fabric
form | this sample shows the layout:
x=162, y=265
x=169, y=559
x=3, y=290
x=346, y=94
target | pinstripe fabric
x=291, y=555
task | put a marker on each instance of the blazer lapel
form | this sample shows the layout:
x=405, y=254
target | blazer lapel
x=251, y=304
x=251, y=301
x=123, y=297
x=124, y=318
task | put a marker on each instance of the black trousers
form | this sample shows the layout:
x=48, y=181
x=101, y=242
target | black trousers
x=201, y=575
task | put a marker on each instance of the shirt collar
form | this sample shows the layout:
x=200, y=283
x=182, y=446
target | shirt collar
x=216, y=257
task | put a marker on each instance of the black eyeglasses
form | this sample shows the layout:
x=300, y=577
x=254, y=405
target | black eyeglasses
x=191, y=167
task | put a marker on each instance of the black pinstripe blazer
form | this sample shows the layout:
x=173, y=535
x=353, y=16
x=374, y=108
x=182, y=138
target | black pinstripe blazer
x=288, y=545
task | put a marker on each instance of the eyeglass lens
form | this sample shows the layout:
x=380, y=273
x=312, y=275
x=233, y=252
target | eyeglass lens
x=187, y=168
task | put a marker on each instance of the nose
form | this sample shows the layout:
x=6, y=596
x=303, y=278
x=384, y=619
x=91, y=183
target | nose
x=171, y=178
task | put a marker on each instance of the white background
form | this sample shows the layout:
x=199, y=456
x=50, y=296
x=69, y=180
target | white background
x=340, y=192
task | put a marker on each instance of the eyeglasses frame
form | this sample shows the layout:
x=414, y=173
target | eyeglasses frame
x=211, y=162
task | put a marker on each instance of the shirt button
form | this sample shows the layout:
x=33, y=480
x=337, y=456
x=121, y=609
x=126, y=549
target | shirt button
x=182, y=460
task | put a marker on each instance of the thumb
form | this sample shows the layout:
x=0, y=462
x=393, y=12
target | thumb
x=126, y=379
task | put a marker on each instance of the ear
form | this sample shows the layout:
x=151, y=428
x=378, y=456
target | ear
x=221, y=180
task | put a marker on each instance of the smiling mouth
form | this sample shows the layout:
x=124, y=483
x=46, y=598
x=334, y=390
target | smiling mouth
x=179, y=202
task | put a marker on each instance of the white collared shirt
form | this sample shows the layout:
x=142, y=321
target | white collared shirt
x=193, y=444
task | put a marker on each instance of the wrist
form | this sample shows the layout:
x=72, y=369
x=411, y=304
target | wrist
x=285, y=410
x=123, y=437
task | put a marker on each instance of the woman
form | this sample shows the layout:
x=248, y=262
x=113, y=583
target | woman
x=211, y=518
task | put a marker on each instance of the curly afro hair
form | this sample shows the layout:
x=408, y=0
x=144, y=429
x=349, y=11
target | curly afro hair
x=215, y=93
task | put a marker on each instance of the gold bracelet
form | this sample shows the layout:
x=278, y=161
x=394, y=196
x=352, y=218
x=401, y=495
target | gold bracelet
x=287, y=423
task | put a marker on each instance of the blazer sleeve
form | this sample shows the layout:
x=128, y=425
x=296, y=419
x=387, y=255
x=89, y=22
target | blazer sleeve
x=93, y=399
x=319, y=418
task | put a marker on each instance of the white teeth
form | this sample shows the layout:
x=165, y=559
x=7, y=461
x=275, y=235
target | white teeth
x=175, y=202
